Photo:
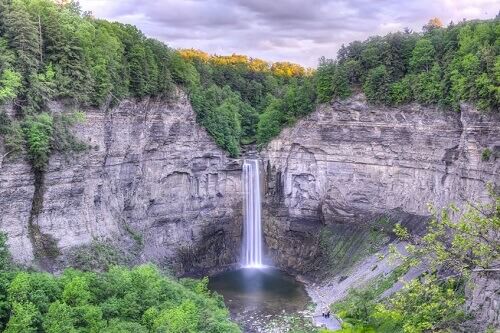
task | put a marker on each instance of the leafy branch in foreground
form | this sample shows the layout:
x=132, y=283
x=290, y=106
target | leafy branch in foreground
x=460, y=241
x=456, y=244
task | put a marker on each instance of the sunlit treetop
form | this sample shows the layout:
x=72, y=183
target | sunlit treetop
x=282, y=69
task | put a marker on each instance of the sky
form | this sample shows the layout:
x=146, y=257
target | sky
x=281, y=30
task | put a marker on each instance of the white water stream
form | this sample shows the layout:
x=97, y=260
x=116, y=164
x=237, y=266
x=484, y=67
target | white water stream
x=252, y=228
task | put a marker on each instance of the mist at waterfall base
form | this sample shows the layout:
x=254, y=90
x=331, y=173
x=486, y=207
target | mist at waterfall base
x=257, y=293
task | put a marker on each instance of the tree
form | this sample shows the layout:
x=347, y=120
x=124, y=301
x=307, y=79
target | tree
x=427, y=87
x=376, y=86
x=23, y=36
x=38, y=135
x=249, y=120
x=22, y=318
x=434, y=23
x=422, y=56
x=180, y=319
x=401, y=92
x=59, y=318
x=340, y=81
x=10, y=82
x=287, y=69
x=460, y=240
x=324, y=80
x=223, y=124
x=138, y=75
x=270, y=122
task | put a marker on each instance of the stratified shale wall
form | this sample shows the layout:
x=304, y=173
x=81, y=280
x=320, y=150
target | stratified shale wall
x=152, y=181
x=349, y=163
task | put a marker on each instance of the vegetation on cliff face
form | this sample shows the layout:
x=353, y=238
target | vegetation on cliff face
x=55, y=51
x=242, y=100
x=121, y=300
x=453, y=250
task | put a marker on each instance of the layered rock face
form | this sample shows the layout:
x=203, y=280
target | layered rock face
x=350, y=163
x=152, y=181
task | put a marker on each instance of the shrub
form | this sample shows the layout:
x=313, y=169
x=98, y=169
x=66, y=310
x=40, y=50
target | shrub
x=486, y=155
x=38, y=135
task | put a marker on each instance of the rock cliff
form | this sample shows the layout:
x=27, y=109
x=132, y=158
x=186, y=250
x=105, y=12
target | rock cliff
x=152, y=182
x=350, y=163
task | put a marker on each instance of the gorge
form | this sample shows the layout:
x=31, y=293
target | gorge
x=149, y=189
x=146, y=188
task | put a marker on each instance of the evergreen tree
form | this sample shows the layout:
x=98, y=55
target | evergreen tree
x=324, y=80
x=65, y=50
x=23, y=36
x=376, y=86
x=340, y=82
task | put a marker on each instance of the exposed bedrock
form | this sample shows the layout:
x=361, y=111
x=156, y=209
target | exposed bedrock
x=152, y=182
x=349, y=164
x=155, y=184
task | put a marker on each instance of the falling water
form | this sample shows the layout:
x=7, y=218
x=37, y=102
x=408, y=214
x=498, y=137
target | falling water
x=252, y=232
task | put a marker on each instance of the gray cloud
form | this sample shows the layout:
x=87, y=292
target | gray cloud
x=276, y=30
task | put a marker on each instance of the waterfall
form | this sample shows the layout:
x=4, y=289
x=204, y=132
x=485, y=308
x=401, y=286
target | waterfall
x=252, y=228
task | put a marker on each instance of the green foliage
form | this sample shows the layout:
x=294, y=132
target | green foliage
x=422, y=55
x=324, y=80
x=456, y=243
x=443, y=66
x=10, y=82
x=461, y=240
x=51, y=50
x=400, y=92
x=38, y=135
x=224, y=125
x=421, y=305
x=376, y=86
x=270, y=121
x=241, y=100
x=359, y=304
x=23, y=318
x=427, y=86
x=120, y=300
x=340, y=81
x=486, y=154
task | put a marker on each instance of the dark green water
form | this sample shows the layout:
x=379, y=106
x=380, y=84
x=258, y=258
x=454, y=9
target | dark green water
x=256, y=296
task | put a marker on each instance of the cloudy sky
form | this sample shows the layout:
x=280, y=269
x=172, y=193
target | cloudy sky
x=278, y=30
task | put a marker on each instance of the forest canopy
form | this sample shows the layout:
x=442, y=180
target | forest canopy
x=53, y=51
x=440, y=66
x=121, y=300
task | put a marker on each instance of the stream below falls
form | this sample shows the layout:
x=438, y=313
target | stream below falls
x=257, y=296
